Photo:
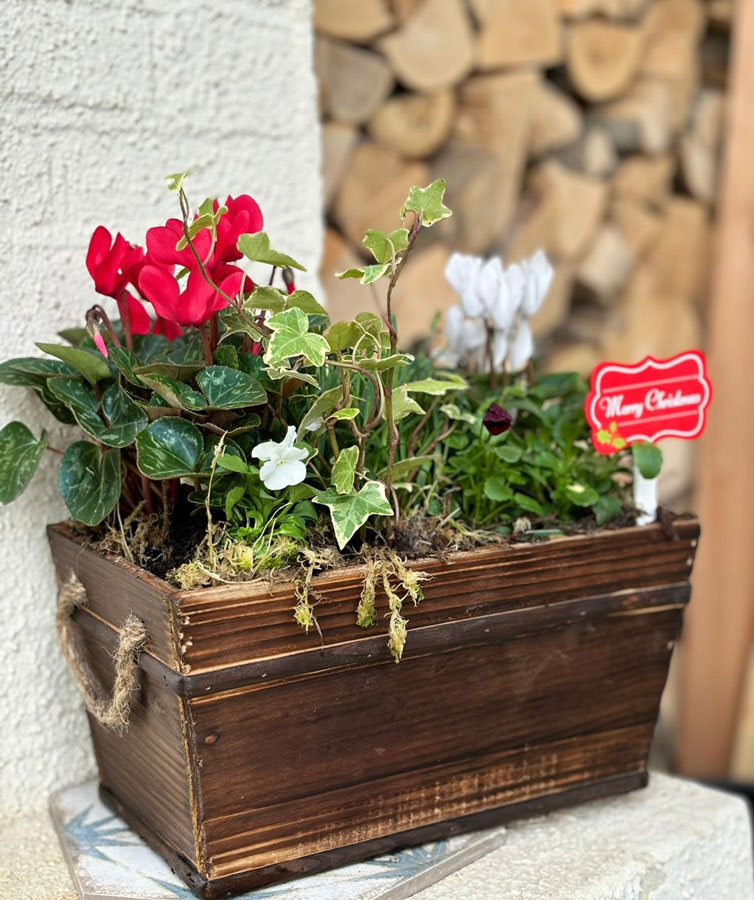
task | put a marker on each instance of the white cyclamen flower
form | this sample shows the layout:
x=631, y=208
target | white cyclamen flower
x=520, y=346
x=283, y=463
x=462, y=274
x=499, y=294
x=463, y=335
x=538, y=275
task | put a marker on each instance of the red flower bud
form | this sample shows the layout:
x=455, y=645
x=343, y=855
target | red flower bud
x=497, y=420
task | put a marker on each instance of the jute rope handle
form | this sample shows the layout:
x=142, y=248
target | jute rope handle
x=111, y=711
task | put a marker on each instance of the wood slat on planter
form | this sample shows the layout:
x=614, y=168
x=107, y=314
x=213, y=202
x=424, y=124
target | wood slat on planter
x=531, y=678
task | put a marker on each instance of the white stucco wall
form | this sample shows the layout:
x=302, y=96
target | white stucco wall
x=98, y=100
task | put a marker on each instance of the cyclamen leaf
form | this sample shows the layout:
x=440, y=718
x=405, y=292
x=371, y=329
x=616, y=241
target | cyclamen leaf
x=32, y=371
x=175, y=393
x=256, y=247
x=291, y=337
x=179, y=371
x=227, y=356
x=123, y=419
x=344, y=470
x=169, y=448
x=648, y=458
x=427, y=202
x=322, y=406
x=90, y=483
x=227, y=388
x=74, y=336
x=405, y=467
x=126, y=363
x=90, y=363
x=350, y=511
x=20, y=453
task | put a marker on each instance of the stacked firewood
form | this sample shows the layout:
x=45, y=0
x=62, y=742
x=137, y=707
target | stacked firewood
x=590, y=128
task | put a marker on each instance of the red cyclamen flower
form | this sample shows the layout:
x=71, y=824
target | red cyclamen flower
x=170, y=330
x=162, y=241
x=497, y=420
x=243, y=217
x=114, y=264
x=198, y=301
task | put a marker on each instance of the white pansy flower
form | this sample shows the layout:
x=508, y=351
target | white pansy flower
x=283, y=464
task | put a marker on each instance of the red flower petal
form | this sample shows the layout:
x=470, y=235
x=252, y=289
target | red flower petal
x=159, y=286
x=138, y=317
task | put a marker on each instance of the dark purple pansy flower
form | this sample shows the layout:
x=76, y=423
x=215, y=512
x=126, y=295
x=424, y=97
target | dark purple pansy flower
x=497, y=420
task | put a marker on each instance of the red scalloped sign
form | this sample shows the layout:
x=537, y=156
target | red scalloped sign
x=654, y=399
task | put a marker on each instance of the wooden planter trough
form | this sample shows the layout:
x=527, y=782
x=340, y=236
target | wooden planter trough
x=531, y=680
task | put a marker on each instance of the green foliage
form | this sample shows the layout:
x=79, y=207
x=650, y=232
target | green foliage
x=90, y=482
x=648, y=459
x=170, y=448
x=20, y=453
x=256, y=247
x=350, y=511
x=291, y=338
x=344, y=470
x=89, y=362
x=427, y=202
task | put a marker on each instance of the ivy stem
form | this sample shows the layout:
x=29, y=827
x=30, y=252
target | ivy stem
x=392, y=430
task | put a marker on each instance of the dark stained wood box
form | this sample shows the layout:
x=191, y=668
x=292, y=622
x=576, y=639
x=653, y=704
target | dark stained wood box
x=531, y=680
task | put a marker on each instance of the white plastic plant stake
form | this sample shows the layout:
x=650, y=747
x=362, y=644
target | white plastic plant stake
x=645, y=497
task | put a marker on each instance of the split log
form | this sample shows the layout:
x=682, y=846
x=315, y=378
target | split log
x=603, y=58
x=434, y=48
x=720, y=13
x=652, y=322
x=714, y=56
x=593, y=153
x=481, y=198
x=639, y=225
x=338, y=141
x=645, y=178
x=590, y=322
x=612, y=9
x=742, y=764
x=640, y=120
x=373, y=190
x=556, y=120
x=403, y=9
x=343, y=299
x=557, y=304
x=415, y=125
x=700, y=147
x=513, y=33
x=566, y=217
x=607, y=265
x=358, y=22
x=353, y=82
x=571, y=357
x=680, y=256
x=495, y=114
x=422, y=292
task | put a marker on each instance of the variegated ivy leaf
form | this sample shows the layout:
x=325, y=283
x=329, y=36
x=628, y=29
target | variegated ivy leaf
x=291, y=338
x=343, y=335
x=256, y=247
x=368, y=274
x=350, y=511
x=427, y=202
x=345, y=415
x=235, y=322
x=275, y=374
x=384, y=247
x=227, y=388
x=176, y=179
x=267, y=298
x=90, y=482
x=322, y=407
x=20, y=453
x=458, y=415
x=306, y=302
x=403, y=405
x=380, y=364
x=439, y=385
x=405, y=467
x=344, y=470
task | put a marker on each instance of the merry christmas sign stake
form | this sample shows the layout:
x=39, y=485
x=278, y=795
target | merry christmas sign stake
x=643, y=403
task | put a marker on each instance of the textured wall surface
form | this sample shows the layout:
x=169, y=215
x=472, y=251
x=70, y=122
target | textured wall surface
x=98, y=100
